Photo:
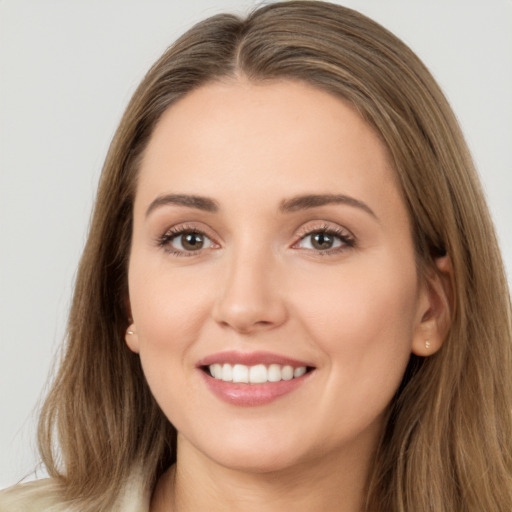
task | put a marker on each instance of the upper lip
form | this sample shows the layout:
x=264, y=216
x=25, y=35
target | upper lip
x=251, y=359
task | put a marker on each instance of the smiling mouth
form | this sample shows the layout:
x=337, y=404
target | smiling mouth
x=257, y=374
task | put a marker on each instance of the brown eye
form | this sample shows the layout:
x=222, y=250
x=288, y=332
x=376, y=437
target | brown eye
x=322, y=241
x=189, y=241
x=325, y=241
x=192, y=241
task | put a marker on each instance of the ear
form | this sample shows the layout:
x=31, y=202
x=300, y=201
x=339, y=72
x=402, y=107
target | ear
x=131, y=338
x=435, y=308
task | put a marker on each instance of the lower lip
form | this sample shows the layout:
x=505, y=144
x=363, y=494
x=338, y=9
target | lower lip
x=250, y=395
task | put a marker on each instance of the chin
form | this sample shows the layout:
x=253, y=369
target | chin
x=249, y=451
x=259, y=461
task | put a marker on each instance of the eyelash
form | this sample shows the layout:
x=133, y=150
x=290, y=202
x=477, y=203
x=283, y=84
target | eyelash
x=165, y=241
x=346, y=239
x=344, y=236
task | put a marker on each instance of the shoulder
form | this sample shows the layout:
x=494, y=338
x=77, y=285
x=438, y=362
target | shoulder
x=46, y=496
x=38, y=496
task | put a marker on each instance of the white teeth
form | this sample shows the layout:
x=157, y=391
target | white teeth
x=216, y=371
x=227, y=373
x=274, y=373
x=240, y=373
x=298, y=372
x=257, y=374
x=287, y=373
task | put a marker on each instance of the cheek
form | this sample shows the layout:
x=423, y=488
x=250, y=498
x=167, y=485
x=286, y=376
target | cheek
x=166, y=306
x=363, y=319
x=168, y=311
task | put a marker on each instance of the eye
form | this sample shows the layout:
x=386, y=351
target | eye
x=184, y=241
x=190, y=241
x=325, y=240
x=320, y=241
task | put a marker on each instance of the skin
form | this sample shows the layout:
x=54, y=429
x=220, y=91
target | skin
x=355, y=312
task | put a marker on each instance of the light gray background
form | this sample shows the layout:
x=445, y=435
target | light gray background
x=68, y=68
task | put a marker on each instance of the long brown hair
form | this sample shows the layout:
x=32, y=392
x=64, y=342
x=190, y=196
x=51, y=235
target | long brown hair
x=447, y=445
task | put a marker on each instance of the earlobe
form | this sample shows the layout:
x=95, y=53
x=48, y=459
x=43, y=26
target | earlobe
x=436, y=309
x=132, y=339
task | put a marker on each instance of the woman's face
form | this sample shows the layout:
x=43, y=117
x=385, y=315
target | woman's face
x=271, y=244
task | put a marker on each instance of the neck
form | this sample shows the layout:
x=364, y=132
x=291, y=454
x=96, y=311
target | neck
x=197, y=483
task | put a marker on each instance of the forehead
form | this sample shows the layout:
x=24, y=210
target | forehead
x=238, y=136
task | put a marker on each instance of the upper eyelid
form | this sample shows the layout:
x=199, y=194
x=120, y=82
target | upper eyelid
x=165, y=237
x=322, y=225
x=165, y=241
x=192, y=227
x=345, y=235
x=307, y=228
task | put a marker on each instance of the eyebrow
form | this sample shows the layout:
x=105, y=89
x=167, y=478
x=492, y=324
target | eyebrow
x=287, y=206
x=200, y=203
x=313, y=201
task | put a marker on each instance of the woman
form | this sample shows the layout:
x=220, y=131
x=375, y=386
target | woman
x=291, y=294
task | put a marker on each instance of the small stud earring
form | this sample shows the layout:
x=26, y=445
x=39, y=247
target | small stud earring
x=427, y=344
x=129, y=332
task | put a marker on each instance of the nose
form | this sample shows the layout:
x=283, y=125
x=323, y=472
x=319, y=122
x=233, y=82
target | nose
x=251, y=298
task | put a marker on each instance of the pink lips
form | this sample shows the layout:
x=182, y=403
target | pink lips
x=251, y=394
